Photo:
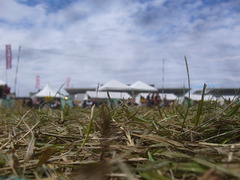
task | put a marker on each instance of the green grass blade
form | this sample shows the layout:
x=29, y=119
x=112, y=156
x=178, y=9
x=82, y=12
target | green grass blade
x=189, y=88
x=233, y=111
x=153, y=175
x=89, y=127
x=150, y=157
x=110, y=100
x=218, y=167
x=200, y=106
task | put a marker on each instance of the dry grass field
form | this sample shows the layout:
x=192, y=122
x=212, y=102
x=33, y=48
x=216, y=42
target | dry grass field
x=121, y=142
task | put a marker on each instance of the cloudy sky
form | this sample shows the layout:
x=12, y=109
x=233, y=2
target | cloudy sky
x=94, y=41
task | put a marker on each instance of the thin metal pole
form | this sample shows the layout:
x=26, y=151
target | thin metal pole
x=162, y=80
x=15, y=85
x=6, y=79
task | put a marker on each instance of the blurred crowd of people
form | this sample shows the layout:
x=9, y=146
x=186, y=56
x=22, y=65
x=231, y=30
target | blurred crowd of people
x=5, y=97
x=5, y=92
x=153, y=99
x=39, y=103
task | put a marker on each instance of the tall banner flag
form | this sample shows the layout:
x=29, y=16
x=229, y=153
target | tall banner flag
x=37, y=82
x=8, y=57
x=68, y=82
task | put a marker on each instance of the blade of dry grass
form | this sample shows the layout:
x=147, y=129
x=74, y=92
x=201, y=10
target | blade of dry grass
x=31, y=143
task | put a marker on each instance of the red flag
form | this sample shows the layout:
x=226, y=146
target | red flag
x=8, y=57
x=37, y=82
x=68, y=82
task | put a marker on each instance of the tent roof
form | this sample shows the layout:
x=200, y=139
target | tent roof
x=103, y=95
x=141, y=86
x=2, y=82
x=47, y=91
x=115, y=85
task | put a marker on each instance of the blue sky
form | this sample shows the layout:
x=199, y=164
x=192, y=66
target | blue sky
x=94, y=41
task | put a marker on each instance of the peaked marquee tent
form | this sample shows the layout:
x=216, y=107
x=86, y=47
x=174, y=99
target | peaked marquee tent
x=115, y=85
x=47, y=91
x=143, y=87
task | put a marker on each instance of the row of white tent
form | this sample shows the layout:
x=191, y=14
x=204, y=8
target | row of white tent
x=48, y=91
x=89, y=95
x=141, y=89
x=117, y=90
x=115, y=85
x=169, y=96
x=198, y=97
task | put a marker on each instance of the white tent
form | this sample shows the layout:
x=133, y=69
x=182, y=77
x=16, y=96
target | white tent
x=139, y=96
x=115, y=85
x=169, y=96
x=103, y=95
x=2, y=82
x=143, y=87
x=47, y=91
x=79, y=96
x=198, y=97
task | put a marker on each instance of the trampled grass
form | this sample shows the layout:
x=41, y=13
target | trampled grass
x=121, y=142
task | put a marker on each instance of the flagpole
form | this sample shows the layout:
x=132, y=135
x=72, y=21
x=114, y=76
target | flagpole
x=6, y=76
x=15, y=85
x=6, y=79
x=162, y=80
